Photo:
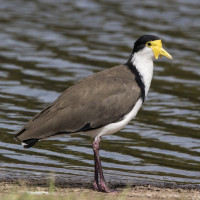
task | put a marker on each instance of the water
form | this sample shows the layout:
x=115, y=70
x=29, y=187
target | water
x=47, y=46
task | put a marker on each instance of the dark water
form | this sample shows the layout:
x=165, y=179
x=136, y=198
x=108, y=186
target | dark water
x=46, y=46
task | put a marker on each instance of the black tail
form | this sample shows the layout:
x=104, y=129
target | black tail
x=29, y=143
x=25, y=143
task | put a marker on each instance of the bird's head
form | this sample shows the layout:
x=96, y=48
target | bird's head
x=152, y=45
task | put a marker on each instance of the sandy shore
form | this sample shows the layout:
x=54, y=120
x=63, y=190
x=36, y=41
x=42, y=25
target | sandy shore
x=79, y=190
x=136, y=193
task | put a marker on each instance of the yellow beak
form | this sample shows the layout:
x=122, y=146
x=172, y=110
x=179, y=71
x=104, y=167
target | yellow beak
x=156, y=46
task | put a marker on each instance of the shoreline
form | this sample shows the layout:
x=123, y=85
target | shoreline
x=36, y=191
x=74, y=182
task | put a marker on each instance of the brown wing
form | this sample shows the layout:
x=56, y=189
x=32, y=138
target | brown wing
x=96, y=101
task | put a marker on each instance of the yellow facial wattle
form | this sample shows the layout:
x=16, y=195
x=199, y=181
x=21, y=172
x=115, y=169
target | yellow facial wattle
x=156, y=46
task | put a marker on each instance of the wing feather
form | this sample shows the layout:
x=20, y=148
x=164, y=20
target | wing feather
x=96, y=101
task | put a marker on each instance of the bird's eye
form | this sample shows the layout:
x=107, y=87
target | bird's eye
x=149, y=44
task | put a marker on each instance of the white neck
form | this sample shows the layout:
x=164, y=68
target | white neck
x=143, y=61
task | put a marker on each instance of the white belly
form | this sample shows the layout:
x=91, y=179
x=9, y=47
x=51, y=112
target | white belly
x=114, y=127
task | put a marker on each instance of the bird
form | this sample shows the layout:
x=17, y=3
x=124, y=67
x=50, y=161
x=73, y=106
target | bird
x=100, y=104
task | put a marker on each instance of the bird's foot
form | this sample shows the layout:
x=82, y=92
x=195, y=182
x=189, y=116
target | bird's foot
x=102, y=188
x=105, y=189
x=96, y=186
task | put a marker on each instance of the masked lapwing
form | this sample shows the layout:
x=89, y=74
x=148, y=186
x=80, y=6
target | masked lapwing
x=100, y=104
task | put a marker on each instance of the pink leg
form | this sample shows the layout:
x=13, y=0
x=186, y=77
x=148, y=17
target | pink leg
x=98, y=185
x=96, y=176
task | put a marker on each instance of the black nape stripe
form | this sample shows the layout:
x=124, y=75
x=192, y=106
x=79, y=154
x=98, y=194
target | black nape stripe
x=138, y=78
